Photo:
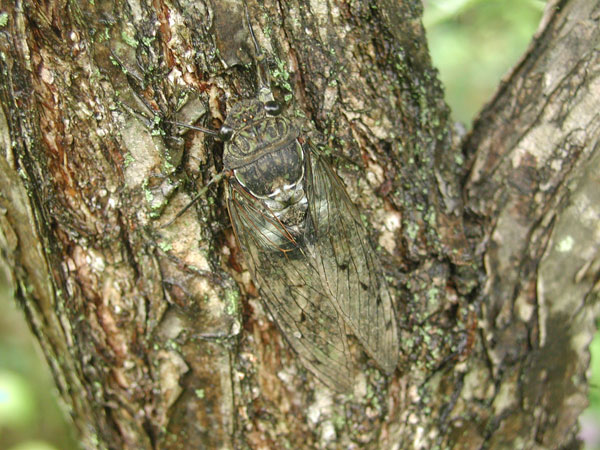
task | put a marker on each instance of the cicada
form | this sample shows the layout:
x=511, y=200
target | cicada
x=303, y=241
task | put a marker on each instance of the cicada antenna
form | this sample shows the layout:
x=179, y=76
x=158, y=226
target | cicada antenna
x=202, y=191
x=257, y=50
x=264, y=89
x=195, y=127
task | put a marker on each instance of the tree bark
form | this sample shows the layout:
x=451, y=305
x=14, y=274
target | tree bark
x=156, y=336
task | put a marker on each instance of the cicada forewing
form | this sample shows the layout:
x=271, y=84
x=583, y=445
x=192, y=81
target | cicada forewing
x=291, y=289
x=349, y=270
x=320, y=279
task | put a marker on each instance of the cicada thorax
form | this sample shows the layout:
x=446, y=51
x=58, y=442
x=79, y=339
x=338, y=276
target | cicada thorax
x=267, y=163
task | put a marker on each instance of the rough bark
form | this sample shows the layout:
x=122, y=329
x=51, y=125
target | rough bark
x=535, y=181
x=157, y=337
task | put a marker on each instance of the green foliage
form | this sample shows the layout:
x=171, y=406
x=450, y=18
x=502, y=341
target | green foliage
x=595, y=378
x=17, y=400
x=29, y=415
x=474, y=43
x=590, y=428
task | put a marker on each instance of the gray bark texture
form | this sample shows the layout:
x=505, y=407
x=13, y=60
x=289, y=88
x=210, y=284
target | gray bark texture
x=157, y=337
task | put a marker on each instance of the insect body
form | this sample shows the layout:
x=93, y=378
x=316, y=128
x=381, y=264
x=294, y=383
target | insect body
x=304, y=243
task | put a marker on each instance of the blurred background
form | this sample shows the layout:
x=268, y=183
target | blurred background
x=473, y=44
x=30, y=417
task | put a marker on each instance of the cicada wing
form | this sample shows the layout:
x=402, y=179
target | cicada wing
x=292, y=291
x=348, y=265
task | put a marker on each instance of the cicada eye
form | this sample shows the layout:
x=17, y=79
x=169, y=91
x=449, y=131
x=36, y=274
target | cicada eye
x=273, y=108
x=225, y=133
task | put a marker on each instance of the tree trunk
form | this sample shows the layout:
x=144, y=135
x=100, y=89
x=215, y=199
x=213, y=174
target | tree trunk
x=157, y=337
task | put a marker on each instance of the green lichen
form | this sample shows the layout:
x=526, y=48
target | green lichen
x=165, y=246
x=430, y=218
x=168, y=167
x=433, y=294
x=412, y=230
x=147, y=40
x=232, y=301
x=129, y=40
x=172, y=345
x=370, y=392
x=267, y=29
x=148, y=193
x=128, y=159
x=281, y=76
x=375, y=403
x=339, y=421
x=105, y=35
x=365, y=221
